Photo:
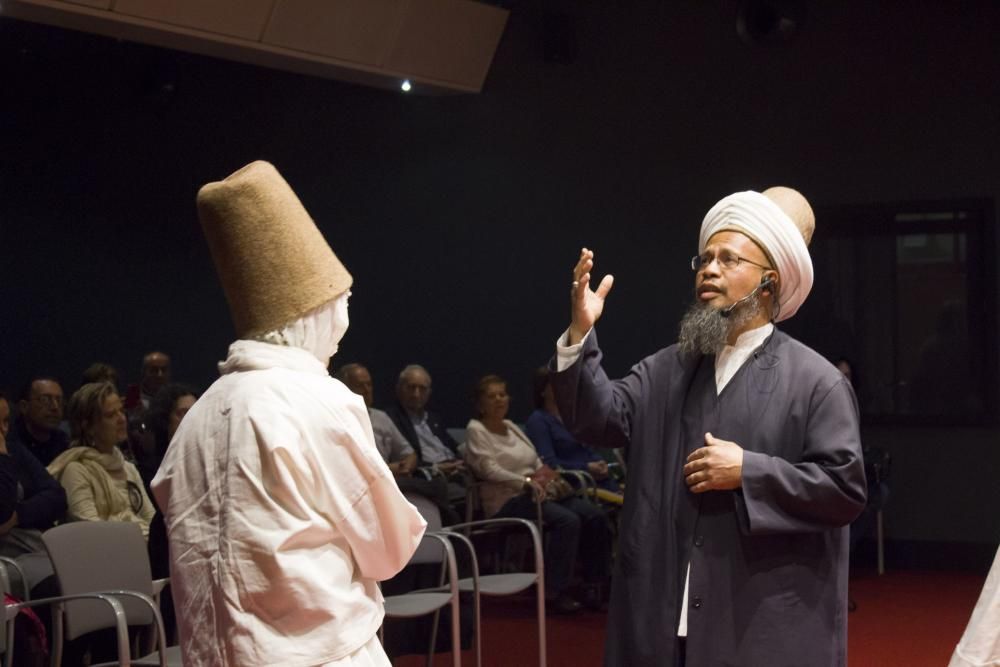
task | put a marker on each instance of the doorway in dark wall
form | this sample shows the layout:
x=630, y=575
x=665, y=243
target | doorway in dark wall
x=907, y=292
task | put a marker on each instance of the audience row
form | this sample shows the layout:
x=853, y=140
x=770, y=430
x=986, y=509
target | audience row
x=98, y=464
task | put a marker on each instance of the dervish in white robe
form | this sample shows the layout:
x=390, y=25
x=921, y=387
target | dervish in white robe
x=980, y=645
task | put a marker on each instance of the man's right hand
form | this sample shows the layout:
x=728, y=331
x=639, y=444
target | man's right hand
x=586, y=304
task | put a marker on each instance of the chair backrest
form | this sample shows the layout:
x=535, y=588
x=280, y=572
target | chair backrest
x=4, y=588
x=90, y=556
x=429, y=551
x=458, y=435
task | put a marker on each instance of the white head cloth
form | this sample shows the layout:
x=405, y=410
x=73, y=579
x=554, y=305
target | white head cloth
x=319, y=331
x=756, y=216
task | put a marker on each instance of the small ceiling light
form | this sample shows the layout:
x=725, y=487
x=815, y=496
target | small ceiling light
x=405, y=86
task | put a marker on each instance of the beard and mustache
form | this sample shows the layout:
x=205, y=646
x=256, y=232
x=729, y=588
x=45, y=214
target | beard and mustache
x=705, y=330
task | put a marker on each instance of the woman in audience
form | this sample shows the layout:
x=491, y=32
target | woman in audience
x=514, y=477
x=558, y=448
x=100, y=484
x=164, y=415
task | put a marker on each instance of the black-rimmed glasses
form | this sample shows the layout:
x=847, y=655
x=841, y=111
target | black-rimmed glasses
x=727, y=260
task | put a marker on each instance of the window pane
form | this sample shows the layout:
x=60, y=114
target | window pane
x=933, y=346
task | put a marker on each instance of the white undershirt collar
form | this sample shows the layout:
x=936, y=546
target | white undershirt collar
x=732, y=357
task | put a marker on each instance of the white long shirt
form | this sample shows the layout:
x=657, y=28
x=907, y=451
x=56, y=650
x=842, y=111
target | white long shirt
x=281, y=515
x=980, y=643
x=727, y=362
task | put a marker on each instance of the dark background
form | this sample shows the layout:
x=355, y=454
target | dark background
x=461, y=216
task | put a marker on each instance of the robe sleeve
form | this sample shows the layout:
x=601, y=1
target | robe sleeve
x=825, y=488
x=323, y=460
x=594, y=408
x=383, y=530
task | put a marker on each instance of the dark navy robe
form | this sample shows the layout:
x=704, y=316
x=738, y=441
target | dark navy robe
x=768, y=582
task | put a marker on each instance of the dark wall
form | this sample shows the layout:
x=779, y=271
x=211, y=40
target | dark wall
x=460, y=217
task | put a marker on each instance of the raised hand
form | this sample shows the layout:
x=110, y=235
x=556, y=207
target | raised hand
x=586, y=304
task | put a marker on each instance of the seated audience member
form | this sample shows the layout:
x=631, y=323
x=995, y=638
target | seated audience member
x=30, y=500
x=394, y=448
x=100, y=372
x=155, y=374
x=557, y=447
x=164, y=415
x=100, y=484
x=423, y=429
x=513, y=476
x=37, y=427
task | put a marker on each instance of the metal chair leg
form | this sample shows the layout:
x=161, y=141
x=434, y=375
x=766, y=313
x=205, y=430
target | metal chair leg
x=880, y=538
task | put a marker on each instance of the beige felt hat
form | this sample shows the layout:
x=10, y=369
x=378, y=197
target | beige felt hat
x=795, y=207
x=274, y=263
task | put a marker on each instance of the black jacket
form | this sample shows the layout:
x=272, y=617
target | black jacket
x=45, y=452
x=40, y=501
x=402, y=421
x=768, y=561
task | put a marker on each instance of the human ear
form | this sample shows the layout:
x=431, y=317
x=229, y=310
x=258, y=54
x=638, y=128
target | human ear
x=768, y=282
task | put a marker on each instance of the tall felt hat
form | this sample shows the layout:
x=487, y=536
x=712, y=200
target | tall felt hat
x=274, y=263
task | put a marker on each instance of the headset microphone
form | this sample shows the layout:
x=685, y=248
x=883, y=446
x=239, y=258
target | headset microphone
x=765, y=283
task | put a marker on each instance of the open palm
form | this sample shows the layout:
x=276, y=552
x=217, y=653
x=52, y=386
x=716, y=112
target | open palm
x=586, y=304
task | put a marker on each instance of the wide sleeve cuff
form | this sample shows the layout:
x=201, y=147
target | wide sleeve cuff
x=566, y=355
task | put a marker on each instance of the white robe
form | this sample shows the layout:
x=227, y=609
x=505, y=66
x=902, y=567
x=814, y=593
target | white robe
x=281, y=516
x=980, y=645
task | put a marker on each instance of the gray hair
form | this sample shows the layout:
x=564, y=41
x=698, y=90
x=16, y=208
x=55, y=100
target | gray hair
x=411, y=368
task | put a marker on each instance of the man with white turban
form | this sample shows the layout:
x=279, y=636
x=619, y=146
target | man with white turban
x=745, y=464
x=281, y=513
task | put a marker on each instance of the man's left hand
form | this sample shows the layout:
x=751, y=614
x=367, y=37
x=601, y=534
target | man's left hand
x=718, y=466
x=598, y=469
x=452, y=467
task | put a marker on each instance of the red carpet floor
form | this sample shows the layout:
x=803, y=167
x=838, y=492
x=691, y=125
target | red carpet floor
x=903, y=619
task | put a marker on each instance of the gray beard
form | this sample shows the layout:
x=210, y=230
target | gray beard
x=704, y=330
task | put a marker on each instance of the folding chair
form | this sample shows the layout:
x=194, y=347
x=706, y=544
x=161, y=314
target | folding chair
x=507, y=583
x=434, y=548
x=109, y=598
x=108, y=558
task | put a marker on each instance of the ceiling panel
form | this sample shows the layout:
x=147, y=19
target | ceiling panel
x=235, y=18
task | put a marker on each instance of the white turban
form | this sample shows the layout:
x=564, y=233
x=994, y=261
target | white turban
x=759, y=218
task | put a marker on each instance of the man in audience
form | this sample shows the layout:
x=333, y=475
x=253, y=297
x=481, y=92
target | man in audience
x=30, y=501
x=155, y=374
x=394, y=448
x=423, y=429
x=37, y=426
